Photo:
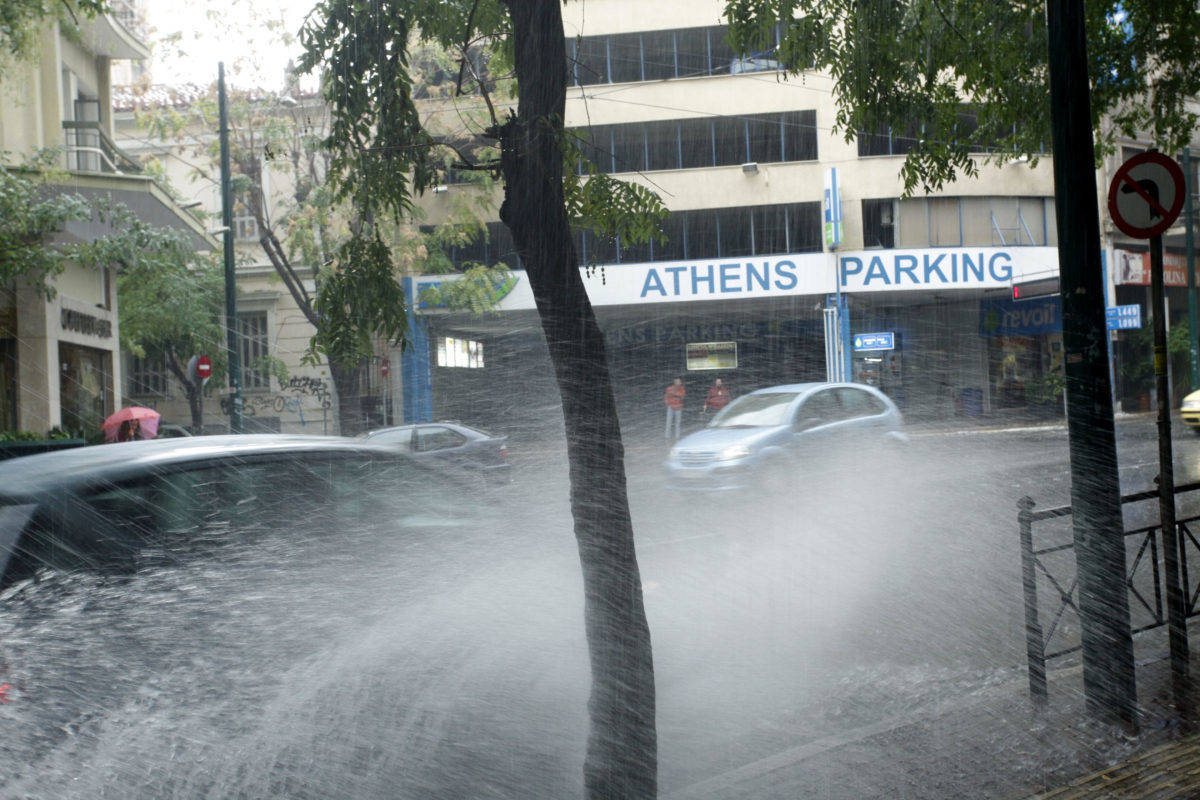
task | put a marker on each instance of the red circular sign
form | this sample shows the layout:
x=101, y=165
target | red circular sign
x=384, y=366
x=204, y=367
x=1146, y=195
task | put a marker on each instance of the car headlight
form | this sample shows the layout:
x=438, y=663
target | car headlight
x=733, y=452
x=674, y=454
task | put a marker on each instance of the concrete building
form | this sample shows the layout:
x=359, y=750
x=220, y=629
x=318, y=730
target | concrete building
x=791, y=253
x=60, y=361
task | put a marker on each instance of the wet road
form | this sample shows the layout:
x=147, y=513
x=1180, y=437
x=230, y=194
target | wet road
x=459, y=669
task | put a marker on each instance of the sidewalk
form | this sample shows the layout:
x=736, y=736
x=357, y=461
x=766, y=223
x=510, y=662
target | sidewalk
x=991, y=745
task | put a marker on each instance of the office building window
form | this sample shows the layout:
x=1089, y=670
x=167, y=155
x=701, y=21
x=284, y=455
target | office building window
x=879, y=223
x=245, y=226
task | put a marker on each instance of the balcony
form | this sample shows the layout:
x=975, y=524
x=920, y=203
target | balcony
x=89, y=149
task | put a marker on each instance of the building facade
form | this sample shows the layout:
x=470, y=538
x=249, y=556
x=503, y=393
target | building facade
x=60, y=362
x=791, y=254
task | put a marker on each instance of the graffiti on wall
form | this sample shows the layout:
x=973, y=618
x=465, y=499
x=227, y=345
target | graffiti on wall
x=288, y=401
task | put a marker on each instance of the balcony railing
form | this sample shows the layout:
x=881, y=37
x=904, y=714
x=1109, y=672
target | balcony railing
x=89, y=149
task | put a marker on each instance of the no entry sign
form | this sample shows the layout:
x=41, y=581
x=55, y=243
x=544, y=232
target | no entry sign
x=203, y=368
x=1146, y=195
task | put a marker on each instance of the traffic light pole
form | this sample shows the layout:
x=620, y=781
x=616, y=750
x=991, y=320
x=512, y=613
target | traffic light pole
x=231, y=319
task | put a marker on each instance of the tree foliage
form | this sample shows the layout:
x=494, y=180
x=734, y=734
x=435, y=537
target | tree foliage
x=28, y=215
x=919, y=67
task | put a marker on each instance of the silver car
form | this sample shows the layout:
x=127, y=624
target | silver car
x=765, y=439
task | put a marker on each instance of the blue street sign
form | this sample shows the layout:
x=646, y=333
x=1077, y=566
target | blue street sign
x=875, y=341
x=1120, y=318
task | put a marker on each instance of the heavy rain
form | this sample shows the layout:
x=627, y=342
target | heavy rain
x=354, y=569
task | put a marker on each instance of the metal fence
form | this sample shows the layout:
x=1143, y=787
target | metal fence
x=1050, y=564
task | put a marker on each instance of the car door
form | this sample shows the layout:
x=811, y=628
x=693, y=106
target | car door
x=816, y=426
x=440, y=443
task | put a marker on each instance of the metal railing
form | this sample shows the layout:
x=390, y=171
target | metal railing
x=89, y=149
x=1144, y=580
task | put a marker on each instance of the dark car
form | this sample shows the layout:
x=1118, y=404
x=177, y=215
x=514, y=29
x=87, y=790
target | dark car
x=765, y=439
x=113, y=507
x=451, y=443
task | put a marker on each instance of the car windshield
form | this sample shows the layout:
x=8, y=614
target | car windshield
x=756, y=411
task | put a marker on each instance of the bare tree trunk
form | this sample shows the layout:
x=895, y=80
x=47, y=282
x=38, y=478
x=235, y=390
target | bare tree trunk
x=622, y=758
x=349, y=399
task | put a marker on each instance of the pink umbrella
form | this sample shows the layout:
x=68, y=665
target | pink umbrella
x=147, y=419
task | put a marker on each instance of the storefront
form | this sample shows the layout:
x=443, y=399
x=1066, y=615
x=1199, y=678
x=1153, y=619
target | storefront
x=948, y=344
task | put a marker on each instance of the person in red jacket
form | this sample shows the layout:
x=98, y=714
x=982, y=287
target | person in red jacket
x=673, y=400
x=718, y=397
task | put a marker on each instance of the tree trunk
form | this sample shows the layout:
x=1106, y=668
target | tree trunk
x=346, y=385
x=622, y=759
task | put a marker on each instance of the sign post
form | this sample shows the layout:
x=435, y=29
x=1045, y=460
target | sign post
x=1145, y=197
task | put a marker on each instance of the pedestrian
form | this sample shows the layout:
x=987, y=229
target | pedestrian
x=673, y=400
x=718, y=397
x=130, y=430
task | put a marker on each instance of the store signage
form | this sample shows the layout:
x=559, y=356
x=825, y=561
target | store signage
x=1120, y=318
x=899, y=269
x=712, y=355
x=1024, y=318
x=1133, y=269
x=738, y=277
x=833, y=210
x=875, y=341
x=79, y=322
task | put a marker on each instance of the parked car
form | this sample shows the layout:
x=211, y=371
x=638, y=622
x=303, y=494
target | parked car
x=1190, y=411
x=171, y=431
x=112, y=508
x=768, y=438
x=451, y=443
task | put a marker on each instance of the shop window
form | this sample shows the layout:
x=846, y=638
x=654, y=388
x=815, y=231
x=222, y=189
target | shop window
x=879, y=223
x=459, y=353
x=149, y=376
x=254, y=349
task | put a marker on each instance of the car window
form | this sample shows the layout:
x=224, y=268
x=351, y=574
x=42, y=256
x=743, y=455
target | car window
x=755, y=411
x=820, y=408
x=858, y=403
x=437, y=438
x=401, y=436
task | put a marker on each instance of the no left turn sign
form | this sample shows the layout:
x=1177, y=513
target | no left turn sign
x=1146, y=195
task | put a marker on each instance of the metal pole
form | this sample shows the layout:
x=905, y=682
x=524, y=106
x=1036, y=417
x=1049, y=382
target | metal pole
x=1106, y=636
x=231, y=319
x=1035, y=646
x=1176, y=613
x=1193, y=326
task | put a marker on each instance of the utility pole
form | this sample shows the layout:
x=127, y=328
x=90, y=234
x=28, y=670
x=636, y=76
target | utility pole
x=1107, y=640
x=231, y=320
x=1189, y=241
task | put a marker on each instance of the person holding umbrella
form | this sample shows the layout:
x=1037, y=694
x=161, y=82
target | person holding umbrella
x=129, y=424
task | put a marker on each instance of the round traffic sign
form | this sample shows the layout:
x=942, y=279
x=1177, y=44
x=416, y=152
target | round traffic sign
x=203, y=368
x=1146, y=195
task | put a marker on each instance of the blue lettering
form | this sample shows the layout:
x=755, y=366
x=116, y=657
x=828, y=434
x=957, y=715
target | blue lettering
x=675, y=272
x=909, y=270
x=1000, y=272
x=653, y=283
x=698, y=279
x=975, y=269
x=934, y=265
x=728, y=278
x=846, y=272
x=876, y=270
x=785, y=272
x=763, y=278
